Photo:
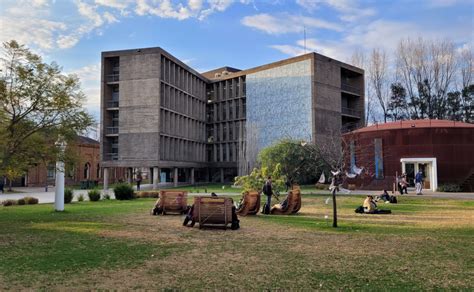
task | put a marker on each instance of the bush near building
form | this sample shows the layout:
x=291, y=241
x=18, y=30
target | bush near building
x=94, y=195
x=124, y=192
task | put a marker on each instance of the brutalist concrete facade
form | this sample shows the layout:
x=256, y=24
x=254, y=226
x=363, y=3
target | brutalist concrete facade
x=158, y=112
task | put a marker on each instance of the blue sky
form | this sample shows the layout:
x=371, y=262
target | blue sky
x=211, y=33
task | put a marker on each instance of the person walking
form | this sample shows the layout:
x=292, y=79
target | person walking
x=267, y=190
x=419, y=182
x=139, y=180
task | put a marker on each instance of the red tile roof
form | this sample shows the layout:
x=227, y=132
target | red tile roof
x=414, y=124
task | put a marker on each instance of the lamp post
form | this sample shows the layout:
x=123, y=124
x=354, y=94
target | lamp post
x=59, y=193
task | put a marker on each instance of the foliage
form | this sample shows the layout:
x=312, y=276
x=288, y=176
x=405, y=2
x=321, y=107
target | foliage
x=80, y=198
x=38, y=103
x=123, y=192
x=9, y=202
x=297, y=163
x=94, y=195
x=31, y=200
x=255, y=180
x=21, y=201
x=449, y=188
x=68, y=195
x=106, y=197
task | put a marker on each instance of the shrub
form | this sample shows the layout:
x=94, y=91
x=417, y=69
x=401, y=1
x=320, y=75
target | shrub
x=80, y=198
x=7, y=203
x=94, y=195
x=106, y=197
x=21, y=201
x=123, y=192
x=31, y=200
x=320, y=186
x=68, y=195
x=449, y=188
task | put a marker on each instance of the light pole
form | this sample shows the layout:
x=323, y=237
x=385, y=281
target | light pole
x=59, y=193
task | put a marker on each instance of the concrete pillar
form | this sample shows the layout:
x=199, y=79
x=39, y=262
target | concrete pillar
x=175, y=177
x=106, y=178
x=192, y=176
x=59, y=193
x=156, y=177
x=222, y=175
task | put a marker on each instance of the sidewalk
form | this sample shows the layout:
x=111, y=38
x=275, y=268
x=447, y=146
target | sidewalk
x=48, y=197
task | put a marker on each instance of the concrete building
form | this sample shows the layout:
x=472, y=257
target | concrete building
x=159, y=113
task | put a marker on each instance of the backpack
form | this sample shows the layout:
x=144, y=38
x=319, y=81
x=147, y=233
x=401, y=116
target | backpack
x=359, y=210
x=393, y=200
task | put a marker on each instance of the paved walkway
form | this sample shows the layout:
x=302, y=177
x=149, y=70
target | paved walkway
x=48, y=197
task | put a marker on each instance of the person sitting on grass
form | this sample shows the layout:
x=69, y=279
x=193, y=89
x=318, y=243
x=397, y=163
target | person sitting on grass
x=370, y=207
x=157, y=209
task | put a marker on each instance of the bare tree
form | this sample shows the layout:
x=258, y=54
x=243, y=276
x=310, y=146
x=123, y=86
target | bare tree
x=426, y=69
x=378, y=79
x=359, y=59
x=466, y=66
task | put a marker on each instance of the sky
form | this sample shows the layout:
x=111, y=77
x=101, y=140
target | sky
x=207, y=34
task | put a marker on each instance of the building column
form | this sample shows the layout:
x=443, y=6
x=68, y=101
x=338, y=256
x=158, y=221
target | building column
x=222, y=175
x=175, y=177
x=106, y=178
x=192, y=176
x=156, y=177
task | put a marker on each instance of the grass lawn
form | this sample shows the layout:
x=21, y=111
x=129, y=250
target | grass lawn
x=425, y=244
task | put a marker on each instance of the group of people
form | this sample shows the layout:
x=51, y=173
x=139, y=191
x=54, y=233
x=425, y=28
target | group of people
x=402, y=183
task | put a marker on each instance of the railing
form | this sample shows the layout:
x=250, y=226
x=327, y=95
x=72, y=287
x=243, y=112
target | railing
x=351, y=88
x=114, y=145
x=113, y=77
x=115, y=96
x=350, y=112
x=112, y=104
x=112, y=130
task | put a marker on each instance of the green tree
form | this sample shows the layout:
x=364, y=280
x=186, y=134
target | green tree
x=37, y=104
x=297, y=163
x=255, y=180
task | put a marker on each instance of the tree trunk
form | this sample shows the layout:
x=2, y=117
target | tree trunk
x=334, y=208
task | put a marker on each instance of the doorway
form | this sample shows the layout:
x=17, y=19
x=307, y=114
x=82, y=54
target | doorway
x=428, y=167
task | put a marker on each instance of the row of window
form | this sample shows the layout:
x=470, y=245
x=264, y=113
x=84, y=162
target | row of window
x=226, y=89
x=227, y=110
x=176, y=75
x=179, y=101
x=179, y=125
x=176, y=149
x=225, y=152
x=229, y=131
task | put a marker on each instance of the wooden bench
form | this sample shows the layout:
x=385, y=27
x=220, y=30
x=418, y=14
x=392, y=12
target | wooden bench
x=173, y=201
x=250, y=204
x=212, y=211
x=294, y=204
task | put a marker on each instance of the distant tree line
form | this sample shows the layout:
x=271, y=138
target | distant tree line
x=424, y=79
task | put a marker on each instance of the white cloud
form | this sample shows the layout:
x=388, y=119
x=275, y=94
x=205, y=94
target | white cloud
x=90, y=83
x=66, y=41
x=286, y=23
x=32, y=22
x=289, y=50
x=349, y=9
x=376, y=34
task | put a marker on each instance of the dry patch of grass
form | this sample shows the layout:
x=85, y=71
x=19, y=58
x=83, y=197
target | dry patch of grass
x=405, y=251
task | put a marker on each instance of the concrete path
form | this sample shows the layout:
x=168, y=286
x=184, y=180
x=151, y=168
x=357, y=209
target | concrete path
x=48, y=197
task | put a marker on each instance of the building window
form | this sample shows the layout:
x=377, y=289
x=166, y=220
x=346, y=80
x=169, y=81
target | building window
x=378, y=158
x=51, y=171
x=87, y=169
x=353, y=155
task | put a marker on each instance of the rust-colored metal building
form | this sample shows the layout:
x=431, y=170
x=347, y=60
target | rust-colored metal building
x=442, y=150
